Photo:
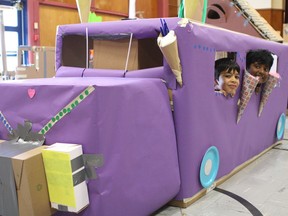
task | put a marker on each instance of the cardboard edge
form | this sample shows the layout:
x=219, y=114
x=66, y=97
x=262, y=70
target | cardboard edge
x=17, y=170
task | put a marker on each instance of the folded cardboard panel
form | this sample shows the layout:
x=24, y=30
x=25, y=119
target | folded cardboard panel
x=8, y=196
x=31, y=184
x=43, y=64
x=23, y=181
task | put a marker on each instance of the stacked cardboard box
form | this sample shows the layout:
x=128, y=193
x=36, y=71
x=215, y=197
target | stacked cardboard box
x=66, y=176
x=23, y=183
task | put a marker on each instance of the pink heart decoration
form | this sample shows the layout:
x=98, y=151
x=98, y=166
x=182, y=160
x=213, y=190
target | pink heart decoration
x=31, y=93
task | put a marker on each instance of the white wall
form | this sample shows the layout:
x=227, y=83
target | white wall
x=260, y=4
x=266, y=4
x=278, y=4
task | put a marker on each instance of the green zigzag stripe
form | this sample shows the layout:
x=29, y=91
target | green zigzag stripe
x=67, y=109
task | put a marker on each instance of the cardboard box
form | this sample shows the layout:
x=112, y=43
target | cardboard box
x=74, y=52
x=141, y=104
x=65, y=173
x=23, y=181
x=112, y=54
x=42, y=62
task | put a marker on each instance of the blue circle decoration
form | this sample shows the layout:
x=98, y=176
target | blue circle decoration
x=209, y=167
x=281, y=126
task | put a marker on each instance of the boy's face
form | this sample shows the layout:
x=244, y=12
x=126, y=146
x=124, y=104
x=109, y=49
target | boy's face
x=259, y=70
x=228, y=82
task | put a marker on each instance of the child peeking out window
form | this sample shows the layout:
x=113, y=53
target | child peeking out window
x=258, y=64
x=227, y=73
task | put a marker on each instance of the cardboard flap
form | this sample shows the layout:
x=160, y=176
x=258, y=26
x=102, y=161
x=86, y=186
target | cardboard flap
x=17, y=169
x=18, y=163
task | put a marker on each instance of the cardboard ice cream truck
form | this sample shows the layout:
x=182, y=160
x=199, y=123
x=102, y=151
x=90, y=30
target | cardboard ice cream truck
x=150, y=109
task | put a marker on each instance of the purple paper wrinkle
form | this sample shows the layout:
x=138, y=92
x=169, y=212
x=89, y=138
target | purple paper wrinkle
x=65, y=71
x=103, y=73
x=163, y=73
x=144, y=28
x=157, y=72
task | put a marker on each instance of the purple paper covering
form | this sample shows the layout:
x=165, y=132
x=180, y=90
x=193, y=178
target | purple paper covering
x=157, y=72
x=103, y=73
x=65, y=71
x=203, y=119
x=128, y=121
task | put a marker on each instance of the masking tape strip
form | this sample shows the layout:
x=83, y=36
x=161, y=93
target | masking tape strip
x=77, y=163
x=62, y=208
x=67, y=109
x=79, y=177
x=92, y=161
x=5, y=122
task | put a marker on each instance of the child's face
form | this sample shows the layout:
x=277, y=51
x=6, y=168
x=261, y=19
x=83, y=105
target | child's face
x=229, y=82
x=259, y=70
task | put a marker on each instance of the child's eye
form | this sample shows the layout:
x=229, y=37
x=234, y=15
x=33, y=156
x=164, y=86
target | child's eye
x=227, y=75
x=237, y=77
x=256, y=65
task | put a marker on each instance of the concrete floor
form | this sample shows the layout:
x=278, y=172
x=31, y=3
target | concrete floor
x=259, y=189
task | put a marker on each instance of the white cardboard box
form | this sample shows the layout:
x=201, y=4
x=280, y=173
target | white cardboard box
x=65, y=172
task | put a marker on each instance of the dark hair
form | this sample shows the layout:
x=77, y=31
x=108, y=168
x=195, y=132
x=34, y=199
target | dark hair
x=260, y=56
x=225, y=64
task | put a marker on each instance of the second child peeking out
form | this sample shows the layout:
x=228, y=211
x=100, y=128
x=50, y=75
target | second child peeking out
x=227, y=73
x=258, y=64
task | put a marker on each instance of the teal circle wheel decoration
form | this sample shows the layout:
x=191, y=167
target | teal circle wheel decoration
x=281, y=126
x=209, y=167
